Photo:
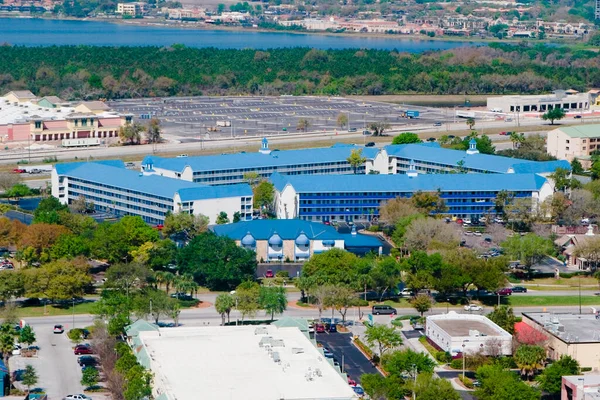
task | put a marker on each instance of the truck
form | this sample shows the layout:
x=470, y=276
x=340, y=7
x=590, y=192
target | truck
x=465, y=114
x=82, y=142
x=224, y=123
x=409, y=114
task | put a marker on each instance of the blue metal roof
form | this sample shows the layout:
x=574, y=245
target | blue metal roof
x=63, y=168
x=404, y=183
x=540, y=167
x=287, y=229
x=151, y=184
x=484, y=162
x=358, y=240
x=277, y=158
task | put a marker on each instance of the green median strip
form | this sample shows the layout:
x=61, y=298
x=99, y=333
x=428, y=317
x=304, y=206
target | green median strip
x=549, y=301
x=82, y=308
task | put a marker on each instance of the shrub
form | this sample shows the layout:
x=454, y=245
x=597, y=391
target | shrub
x=282, y=274
x=456, y=363
x=76, y=335
x=586, y=369
x=506, y=362
x=466, y=381
x=374, y=228
x=443, y=357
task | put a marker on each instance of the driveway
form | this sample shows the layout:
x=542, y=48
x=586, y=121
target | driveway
x=340, y=344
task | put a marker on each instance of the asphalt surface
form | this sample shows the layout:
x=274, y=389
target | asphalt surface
x=354, y=362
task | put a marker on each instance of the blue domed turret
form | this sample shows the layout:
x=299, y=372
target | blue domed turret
x=264, y=146
x=248, y=240
x=472, y=147
x=302, y=240
x=275, y=240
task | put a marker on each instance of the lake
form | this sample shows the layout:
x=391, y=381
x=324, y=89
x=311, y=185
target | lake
x=43, y=32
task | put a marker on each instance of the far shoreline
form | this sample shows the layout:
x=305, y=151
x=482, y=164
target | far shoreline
x=178, y=25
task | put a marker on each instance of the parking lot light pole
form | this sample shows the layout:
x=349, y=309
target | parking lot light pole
x=414, y=371
x=463, y=357
x=73, y=327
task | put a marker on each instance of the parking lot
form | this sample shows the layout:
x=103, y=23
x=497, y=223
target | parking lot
x=354, y=362
x=56, y=365
x=191, y=118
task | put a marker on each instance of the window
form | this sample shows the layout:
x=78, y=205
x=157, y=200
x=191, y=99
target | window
x=38, y=124
x=567, y=141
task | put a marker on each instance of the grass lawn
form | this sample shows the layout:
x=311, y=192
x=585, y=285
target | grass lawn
x=570, y=282
x=432, y=350
x=82, y=308
x=548, y=301
x=402, y=303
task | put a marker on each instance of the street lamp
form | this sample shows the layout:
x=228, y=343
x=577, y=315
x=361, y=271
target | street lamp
x=414, y=371
x=236, y=306
x=463, y=357
x=73, y=313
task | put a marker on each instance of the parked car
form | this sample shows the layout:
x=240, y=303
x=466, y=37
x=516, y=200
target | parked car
x=83, y=349
x=502, y=133
x=77, y=397
x=332, y=328
x=504, y=292
x=58, y=329
x=382, y=309
x=269, y=274
x=19, y=171
x=319, y=328
x=473, y=307
x=327, y=353
x=351, y=381
x=407, y=293
x=35, y=171
x=366, y=133
x=358, y=390
x=351, y=129
x=87, y=361
x=437, y=124
x=577, y=117
x=370, y=144
x=519, y=289
x=585, y=221
x=431, y=139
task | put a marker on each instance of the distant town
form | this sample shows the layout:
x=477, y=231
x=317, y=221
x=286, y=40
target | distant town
x=490, y=20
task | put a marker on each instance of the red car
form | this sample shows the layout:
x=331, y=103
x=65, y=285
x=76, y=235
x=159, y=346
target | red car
x=159, y=227
x=319, y=328
x=83, y=349
x=504, y=292
x=269, y=274
x=351, y=381
x=18, y=171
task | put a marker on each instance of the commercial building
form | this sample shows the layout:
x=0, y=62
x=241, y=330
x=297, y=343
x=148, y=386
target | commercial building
x=430, y=158
x=467, y=333
x=27, y=119
x=570, y=142
x=230, y=168
x=568, y=100
x=348, y=198
x=294, y=240
x=231, y=362
x=580, y=387
x=575, y=335
x=114, y=189
x=393, y=159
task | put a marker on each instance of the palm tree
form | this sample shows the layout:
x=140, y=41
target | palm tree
x=529, y=359
x=224, y=304
x=470, y=123
x=168, y=279
x=517, y=139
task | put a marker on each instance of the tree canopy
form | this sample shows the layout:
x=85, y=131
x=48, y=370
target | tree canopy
x=406, y=138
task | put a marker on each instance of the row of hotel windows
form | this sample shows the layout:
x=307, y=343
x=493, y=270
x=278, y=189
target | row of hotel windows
x=375, y=211
x=121, y=213
x=113, y=206
x=113, y=195
x=91, y=186
x=304, y=196
x=404, y=163
x=544, y=107
x=342, y=165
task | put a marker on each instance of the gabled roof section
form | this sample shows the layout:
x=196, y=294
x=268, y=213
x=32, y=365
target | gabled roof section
x=287, y=229
x=138, y=326
x=582, y=131
x=64, y=168
x=277, y=158
x=479, y=161
x=404, y=183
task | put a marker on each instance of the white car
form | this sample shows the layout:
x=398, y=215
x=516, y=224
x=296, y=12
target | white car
x=77, y=397
x=473, y=307
x=483, y=219
x=585, y=221
x=467, y=221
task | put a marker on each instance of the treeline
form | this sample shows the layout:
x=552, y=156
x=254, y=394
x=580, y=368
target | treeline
x=107, y=72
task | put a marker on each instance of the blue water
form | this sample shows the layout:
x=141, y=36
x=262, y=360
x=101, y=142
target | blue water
x=41, y=32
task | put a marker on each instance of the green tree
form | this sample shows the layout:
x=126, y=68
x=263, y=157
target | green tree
x=529, y=359
x=131, y=133
x=342, y=120
x=217, y=262
x=356, y=159
x=115, y=241
x=222, y=218
x=189, y=225
x=154, y=131
x=392, y=211
x=334, y=266
x=422, y=303
x=58, y=280
x=503, y=198
x=341, y=298
x=70, y=246
x=554, y=115
x=385, y=337
x=529, y=249
x=27, y=335
x=153, y=303
x=127, y=278
x=237, y=217
x=247, y=296
x=29, y=377
x=470, y=123
x=379, y=127
x=429, y=202
x=89, y=377
x=224, y=303
x=504, y=317
x=499, y=384
x=576, y=167
x=264, y=195
x=303, y=124
x=18, y=191
x=404, y=362
x=7, y=344
x=398, y=236
x=383, y=388
x=550, y=379
x=517, y=139
x=406, y=138
x=427, y=387
x=272, y=299
x=252, y=177
x=595, y=169
x=485, y=145
x=48, y=211
x=563, y=181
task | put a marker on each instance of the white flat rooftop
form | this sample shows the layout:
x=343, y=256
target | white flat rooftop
x=13, y=114
x=227, y=362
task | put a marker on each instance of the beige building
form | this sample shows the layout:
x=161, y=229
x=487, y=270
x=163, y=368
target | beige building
x=19, y=96
x=568, y=246
x=132, y=9
x=567, y=143
x=576, y=335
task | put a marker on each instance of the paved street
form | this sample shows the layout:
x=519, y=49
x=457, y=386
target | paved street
x=354, y=362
